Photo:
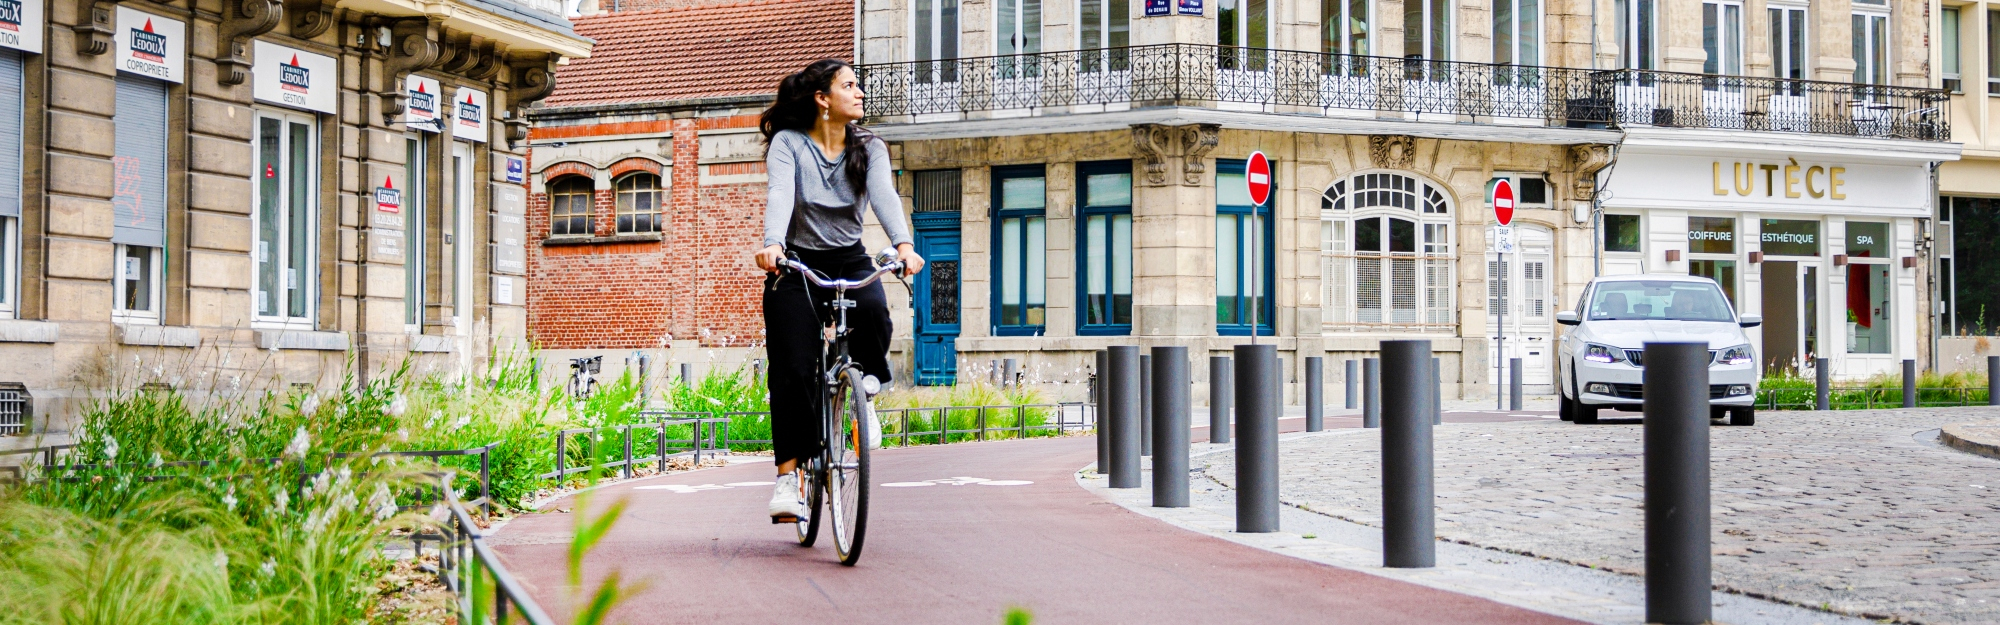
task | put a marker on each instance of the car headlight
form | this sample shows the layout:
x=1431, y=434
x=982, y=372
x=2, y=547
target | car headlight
x=1738, y=355
x=1602, y=353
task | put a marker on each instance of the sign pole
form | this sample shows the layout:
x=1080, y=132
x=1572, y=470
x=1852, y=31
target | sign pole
x=1502, y=199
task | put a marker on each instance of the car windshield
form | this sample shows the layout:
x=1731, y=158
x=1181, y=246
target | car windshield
x=1666, y=300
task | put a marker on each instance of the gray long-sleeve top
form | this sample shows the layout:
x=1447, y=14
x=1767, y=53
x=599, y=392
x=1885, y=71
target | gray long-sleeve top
x=811, y=200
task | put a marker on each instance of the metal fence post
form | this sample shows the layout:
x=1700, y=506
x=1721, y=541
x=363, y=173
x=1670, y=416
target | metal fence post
x=1170, y=452
x=1122, y=389
x=1221, y=397
x=687, y=374
x=1409, y=524
x=1437, y=391
x=1145, y=405
x=1513, y=384
x=1259, y=401
x=628, y=451
x=1909, y=383
x=645, y=384
x=1822, y=385
x=1993, y=380
x=1371, y=392
x=1677, y=495
x=1315, y=388
x=1007, y=373
x=1353, y=379
x=1097, y=415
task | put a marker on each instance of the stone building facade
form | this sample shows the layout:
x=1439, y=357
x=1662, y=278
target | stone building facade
x=1969, y=204
x=1076, y=170
x=263, y=191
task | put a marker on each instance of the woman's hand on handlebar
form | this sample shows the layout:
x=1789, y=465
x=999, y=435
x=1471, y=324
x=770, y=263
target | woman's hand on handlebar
x=912, y=263
x=768, y=258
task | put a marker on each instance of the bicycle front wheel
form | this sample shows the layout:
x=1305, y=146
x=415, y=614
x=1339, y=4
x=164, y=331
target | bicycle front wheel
x=847, y=478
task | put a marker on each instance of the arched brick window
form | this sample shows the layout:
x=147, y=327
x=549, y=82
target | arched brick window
x=569, y=206
x=639, y=200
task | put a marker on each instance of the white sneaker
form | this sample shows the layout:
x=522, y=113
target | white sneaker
x=871, y=427
x=787, y=500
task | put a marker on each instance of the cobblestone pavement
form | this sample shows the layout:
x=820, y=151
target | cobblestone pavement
x=1848, y=511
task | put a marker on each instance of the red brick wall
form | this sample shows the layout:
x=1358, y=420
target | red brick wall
x=696, y=283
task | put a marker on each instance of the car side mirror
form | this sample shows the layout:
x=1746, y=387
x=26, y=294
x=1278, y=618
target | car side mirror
x=1568, y=318
x=1750, y=321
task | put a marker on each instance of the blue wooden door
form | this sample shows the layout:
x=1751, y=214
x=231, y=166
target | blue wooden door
x=937, y=306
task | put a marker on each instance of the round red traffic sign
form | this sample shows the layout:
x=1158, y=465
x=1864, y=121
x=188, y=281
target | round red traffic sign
x=1503, y=201
x=1257, y=175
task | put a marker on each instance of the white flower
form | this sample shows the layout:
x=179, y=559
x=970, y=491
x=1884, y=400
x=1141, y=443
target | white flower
x=221, y=560
x=282, y=500
x=156, y=462
x=713, y=400
x=268, y=568
x=229, y=499
x=110, y=447
x=310, y=405
x=301, y=443
x=383, y=502
x=461, y=422
x=396, y=406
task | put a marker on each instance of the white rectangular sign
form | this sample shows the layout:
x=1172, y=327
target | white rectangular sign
x=294, y=77
x=21, y=25
x=1804, y=184
x=150, y=45
x=425, y=96
x=469, y=114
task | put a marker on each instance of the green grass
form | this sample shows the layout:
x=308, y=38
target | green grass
x=1879, y=391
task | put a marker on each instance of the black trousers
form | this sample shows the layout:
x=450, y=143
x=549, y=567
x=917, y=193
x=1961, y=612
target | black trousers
x=793, y=333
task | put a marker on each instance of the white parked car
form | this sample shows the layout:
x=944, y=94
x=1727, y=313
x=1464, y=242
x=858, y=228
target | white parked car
x=1601, y=359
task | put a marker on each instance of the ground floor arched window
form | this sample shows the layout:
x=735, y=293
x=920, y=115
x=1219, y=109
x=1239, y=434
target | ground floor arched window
x=1388, y=252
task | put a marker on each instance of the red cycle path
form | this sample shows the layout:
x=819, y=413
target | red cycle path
x=957, y=554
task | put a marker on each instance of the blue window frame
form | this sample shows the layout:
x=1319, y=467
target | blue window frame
x=1020, y=250
x=1104, y=248
x=1242, y=251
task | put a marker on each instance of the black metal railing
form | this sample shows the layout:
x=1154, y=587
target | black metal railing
x=485, y=591
x=1296, y=82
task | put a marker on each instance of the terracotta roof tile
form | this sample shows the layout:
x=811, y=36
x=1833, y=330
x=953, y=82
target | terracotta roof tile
x=702, y=51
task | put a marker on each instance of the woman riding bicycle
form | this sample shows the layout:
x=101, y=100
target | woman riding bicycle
x=822, y=168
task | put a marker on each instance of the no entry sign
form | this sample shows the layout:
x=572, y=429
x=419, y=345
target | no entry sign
x=1503, y=201
x=1257, y=176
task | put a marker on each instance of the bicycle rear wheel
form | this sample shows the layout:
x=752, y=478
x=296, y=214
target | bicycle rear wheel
x=808, y=528
x=847, y=478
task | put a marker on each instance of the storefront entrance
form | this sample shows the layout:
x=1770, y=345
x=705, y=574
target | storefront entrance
x=1791, y=316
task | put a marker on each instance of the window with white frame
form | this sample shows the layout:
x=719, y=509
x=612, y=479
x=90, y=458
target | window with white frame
x=416, y=165
x=1344, y=26
x=1243, y=28
x=1105, y=24
x=1517, y=32
x=1948, y=50
x=1388, y=252
x=1636, y=32
x=1788, y=41
x=639, y=200
x=934, y=37
x=1530, y=190
x=12, y=119
x=284, y=221
x=1427, y=29
x=1871, y=42
x=139, y=197
x=1870, y=287
x=1722, y=37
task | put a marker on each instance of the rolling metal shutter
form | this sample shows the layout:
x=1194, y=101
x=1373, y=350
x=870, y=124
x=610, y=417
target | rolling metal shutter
x=139, y=202
x=10, y=133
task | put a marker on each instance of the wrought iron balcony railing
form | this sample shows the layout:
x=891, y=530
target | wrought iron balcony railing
x=1294, y=82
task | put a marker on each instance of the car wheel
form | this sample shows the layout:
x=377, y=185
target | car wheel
x=1565, y=408
x=1585, y=414
x=1745, y=415
x=1717, y=413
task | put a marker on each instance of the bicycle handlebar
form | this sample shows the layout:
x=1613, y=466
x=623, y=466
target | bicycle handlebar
x=840, y=284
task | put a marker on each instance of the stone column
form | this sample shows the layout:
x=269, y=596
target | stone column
x=1060, y=260
x=1832, y=40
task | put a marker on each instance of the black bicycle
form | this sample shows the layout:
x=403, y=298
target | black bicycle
x=839, y=473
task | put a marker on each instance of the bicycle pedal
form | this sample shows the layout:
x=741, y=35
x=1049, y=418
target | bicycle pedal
x=780, y=520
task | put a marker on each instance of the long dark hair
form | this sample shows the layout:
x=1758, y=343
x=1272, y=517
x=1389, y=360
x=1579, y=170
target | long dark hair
x=795, y=109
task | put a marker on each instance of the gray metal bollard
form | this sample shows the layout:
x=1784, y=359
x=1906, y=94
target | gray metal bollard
x=1007, y=375
x=1099, y=395
x=1677, y=497
x=1993, y=380
x=1145, y=405
x=1822, y=384
x=1909, y=383
x=1315, y=390
x=1437, y=391
x=1353, y=382
x=1221, y=397
x=687, y=374
x=1371, y=392
x=1172, y=387
x=1259, y=400
x=1513, y=384
x=757, y=371
x=1409, y=523
x=1123, y=391
x=993, y=371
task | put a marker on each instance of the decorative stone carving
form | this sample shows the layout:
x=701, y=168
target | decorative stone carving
x=489, y=62
x=310, y=18
x=241, y=21
x=1196, y=142
x=1586, y=160
x=412, y=46
x=1392, y=151
x=93, y=32
x=534, y=77
x=1153, y=143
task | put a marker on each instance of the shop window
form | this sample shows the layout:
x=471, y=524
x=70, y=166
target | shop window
x=1722, y=37
x=1786, y=237
x=1388, y=252
x=12, y=118
x=1242, y=253
x=1622, y=233
x=1020, y=250
x=1517, y=32
x=1104, y=243
x=639, y=198
x=569, y=206
x=1948, y=50
x=1106, y=26
x=139, y=200
x=1712, y=251
x=284, y=223
x=1870, y=286
x=1871, y=42
x=1636, y=33
x=416, y=168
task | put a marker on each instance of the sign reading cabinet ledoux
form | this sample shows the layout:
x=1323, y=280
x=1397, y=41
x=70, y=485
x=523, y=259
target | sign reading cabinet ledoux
x=1769, y=184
